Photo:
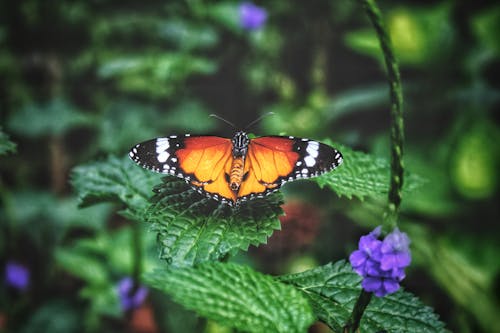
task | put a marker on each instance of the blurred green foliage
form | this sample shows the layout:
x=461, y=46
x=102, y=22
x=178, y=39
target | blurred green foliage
x=80, y=80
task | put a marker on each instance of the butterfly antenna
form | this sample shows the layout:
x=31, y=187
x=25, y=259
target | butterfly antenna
x=259, y=119
x=224, y=120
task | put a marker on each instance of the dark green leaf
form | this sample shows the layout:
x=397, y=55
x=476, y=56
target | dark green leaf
x=52, y=118
x=56, y=316
x=236, y=296
x=181, y=118
x=485, y=24
x=6, y=146
x=464, y=265
x=114, y=180
x=193, y=229
x=139, y=120
x=362, y=175
x=46, y=219
x=334, y=288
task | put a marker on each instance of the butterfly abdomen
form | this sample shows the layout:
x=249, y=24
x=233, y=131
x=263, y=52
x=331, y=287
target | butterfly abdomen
x=236, y=174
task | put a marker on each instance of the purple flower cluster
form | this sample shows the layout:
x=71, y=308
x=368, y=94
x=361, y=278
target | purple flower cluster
x=130, y=300
x=17, y=275
x=252, y=17
x=381, y=263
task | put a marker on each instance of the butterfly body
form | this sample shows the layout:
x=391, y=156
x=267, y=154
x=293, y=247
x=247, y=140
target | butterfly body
x=236, y=169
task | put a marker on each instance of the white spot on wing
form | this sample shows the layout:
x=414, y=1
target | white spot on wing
x=310, y=160
x=162, y=144
x=312, y=148
x=163, y=157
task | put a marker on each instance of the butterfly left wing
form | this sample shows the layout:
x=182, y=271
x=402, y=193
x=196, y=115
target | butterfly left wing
x=273, y=160
x=202, y=161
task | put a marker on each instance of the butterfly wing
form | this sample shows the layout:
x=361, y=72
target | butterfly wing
x=273, y=160
x=202, y=161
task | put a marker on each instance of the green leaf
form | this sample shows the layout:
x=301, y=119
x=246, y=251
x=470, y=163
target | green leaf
x=464, y=266
x=140, y=120
x=193, y=229
x=83, y=265
x=45, y=219
x=334, y=288
x=114, y=179
x=236, y=296
x=52, y=118
x=102, y=299
x=419, y=35
x=484, y=26
x=153, y=74
x=42, y=320
x=356, y=100
x=188, y=36
x=6, y=146
x=362, y=175
x=181, y=116
x=225, y=13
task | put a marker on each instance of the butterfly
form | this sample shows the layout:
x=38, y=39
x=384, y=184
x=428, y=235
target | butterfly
x=233, y=170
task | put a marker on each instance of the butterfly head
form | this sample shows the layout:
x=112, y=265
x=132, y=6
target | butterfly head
x=240, y=144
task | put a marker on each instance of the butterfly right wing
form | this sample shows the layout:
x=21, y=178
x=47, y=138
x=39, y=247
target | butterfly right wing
x=202, y=161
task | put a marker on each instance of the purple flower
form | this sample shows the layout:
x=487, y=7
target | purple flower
x=395, y=251
x=363, y=259
x=380, y=286
x=17, y=275
x=128, y=299
x=252, y=17
x=382, y=263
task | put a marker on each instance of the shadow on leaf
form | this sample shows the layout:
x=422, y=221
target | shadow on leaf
x=193, y=228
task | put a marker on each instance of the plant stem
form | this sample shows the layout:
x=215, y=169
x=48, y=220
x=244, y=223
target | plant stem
x=359, y=308
x=137, y=254
x=397, y=138
x=397, y=126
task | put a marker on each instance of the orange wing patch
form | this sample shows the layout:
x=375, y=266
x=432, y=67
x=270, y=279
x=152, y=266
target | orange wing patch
x=268, y=160
x=220, y=186
x=207, y=160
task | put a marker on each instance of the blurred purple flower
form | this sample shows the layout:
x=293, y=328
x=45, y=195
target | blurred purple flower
x=129, y=300
x=381, y=263
x=252, y=17
x=17, y=275
x=395, y=251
